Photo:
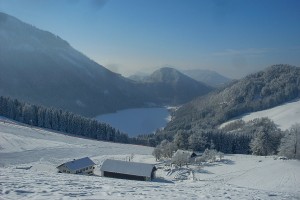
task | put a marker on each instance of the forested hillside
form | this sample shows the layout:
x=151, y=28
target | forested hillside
x=265, y=89
x=196, y=125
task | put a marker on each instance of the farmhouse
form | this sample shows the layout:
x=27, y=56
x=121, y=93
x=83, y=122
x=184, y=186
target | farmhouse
x=189, y=154
x=80, y=166
x=128, y=170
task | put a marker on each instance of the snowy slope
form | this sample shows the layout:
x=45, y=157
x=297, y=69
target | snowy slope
x=237, y=177
x=34, y=144
x=284, y=115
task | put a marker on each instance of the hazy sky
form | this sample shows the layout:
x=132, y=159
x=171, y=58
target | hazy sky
x=232, y=37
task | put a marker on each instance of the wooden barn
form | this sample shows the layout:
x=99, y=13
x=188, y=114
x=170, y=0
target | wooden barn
x=80, y=166
x=128, y=170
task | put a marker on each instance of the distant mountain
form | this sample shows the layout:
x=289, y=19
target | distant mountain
x=168, y=83
x=266, y=89
x=41, y=68
x=209, y=77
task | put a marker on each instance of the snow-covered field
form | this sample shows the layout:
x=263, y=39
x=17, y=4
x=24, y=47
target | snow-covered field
x=236, y=177
x=137, y=121
x=284, y=115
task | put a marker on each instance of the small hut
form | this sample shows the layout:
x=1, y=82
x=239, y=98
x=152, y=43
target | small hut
x=128, y=170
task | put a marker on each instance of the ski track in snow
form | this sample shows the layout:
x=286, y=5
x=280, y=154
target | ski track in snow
x=240, y=177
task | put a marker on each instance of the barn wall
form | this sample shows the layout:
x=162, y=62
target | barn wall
x=64, y=169
x=124, y=176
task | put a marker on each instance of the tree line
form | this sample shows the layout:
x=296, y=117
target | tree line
x=59, y=120
x=259, y=136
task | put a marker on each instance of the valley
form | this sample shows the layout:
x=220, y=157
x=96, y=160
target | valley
x=237, y=177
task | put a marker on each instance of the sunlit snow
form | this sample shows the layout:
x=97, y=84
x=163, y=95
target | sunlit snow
x=284, y=115
x=236, y=177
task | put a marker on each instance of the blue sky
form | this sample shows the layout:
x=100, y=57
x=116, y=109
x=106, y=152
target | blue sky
x=232, y=37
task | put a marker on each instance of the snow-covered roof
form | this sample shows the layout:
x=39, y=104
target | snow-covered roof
x=130, y=168
x=78, y=164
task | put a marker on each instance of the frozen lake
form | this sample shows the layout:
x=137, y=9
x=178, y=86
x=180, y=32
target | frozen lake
x=138, y=120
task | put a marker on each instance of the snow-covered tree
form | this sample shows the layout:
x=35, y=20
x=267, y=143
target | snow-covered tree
x=197, y=141
x=167, y=148
x=290, y=143
x=180, y=159
x=264, y=144
x=266, y=137
x=209, y=155
x=181, y=140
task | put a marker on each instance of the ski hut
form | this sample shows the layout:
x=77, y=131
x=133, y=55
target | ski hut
x=80, y=166
x=128, y=170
